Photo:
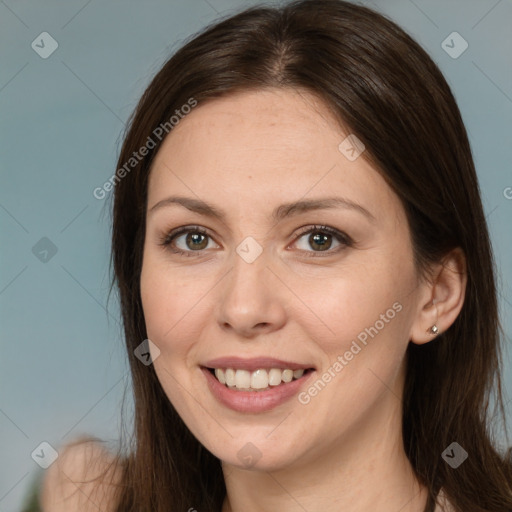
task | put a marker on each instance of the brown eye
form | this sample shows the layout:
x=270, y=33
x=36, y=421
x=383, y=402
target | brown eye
x=321, y=239
x=194, y=239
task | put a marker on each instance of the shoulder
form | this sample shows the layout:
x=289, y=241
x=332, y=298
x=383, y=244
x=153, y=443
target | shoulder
x=82, y=479
x=443, y=503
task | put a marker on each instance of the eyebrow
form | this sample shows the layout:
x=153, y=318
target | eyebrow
x=279, y=213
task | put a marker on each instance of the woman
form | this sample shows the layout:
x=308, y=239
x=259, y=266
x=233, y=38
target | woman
x=268, y=376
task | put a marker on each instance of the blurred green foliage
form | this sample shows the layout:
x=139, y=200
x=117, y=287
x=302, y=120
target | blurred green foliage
x=31, y=503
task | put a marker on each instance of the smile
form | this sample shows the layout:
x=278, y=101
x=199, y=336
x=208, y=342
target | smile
x=259, y=380
x=243, y=397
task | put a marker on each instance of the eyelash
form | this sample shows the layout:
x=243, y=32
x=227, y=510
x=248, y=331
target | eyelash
x=167, y=239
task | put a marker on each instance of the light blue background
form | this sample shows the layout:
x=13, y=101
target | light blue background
x=62, y=362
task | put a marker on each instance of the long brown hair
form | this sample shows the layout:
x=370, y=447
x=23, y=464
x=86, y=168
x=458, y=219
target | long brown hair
x=382, y=85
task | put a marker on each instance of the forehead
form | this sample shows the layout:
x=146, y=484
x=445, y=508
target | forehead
x=270, y=120
x=268, y=146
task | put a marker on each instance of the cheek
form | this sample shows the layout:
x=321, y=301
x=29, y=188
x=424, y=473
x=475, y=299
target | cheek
x=360, y=325
x=364, y=347
x=362, y=352
x=345, y=305
x=173, y=306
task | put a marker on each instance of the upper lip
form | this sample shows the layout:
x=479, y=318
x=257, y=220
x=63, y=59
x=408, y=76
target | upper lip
x=254, y=363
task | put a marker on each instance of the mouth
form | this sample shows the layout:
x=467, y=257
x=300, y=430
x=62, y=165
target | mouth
x=255, y=390
x=257, y=384
x=259, y=380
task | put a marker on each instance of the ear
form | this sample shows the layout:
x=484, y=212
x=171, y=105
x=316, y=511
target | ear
x=442, y=298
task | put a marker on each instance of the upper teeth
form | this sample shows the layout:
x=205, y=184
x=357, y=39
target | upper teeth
x=259, y=379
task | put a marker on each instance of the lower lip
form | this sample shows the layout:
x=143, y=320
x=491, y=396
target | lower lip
x=254, y=401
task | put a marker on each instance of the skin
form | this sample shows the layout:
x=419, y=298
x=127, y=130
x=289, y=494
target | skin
x=247, y=154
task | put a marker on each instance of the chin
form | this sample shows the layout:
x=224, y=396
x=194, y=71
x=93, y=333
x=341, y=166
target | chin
x=257, y=454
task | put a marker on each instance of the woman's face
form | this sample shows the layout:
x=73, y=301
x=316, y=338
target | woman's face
x=263, y=284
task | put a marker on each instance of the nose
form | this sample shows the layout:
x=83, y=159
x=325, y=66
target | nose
x=251, y=299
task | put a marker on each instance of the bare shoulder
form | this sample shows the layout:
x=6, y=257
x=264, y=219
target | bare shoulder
x=443, y=503
x=82, y=479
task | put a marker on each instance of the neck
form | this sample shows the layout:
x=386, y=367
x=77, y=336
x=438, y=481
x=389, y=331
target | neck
x=366, y=469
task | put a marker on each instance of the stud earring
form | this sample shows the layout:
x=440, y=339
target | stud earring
x=434, y=329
